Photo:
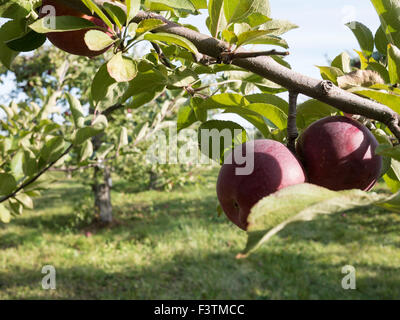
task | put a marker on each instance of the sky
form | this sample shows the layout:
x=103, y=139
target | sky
x=321, y=33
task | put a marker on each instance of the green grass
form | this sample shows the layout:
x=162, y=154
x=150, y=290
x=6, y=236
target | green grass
x=174, y=246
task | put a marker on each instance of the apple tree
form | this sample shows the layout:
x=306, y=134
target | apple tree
x=361, y=102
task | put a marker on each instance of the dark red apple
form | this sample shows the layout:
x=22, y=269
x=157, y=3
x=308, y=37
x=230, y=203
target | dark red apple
x=338, y=153
x=275, y=168
x=74, y=41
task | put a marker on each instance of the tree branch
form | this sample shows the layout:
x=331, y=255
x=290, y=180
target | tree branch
x=38, y=175
x=268, y=68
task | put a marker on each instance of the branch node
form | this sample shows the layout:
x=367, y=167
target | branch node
x=227, y=56
x=326, y=86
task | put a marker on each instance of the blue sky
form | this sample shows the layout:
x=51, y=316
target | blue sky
x=321, y=31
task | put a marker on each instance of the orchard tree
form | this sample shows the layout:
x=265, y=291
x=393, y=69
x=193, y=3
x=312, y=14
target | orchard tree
x=128, y=129
x=351, y=121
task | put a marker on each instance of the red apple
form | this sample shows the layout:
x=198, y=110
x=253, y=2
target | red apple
x=275, y=168
x=338, y=153
x=74, y=41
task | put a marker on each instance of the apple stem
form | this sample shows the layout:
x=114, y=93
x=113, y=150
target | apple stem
x=292, y=126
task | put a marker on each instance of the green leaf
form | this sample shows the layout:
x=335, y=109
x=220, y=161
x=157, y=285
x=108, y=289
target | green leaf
x=381, y=41
x=146, y=84
x=52, y=148
x=381, y=70
x=9, y=30
x=122, y=68
x=15, y=10
x=229, y=36
x=183, y=78
x=95, y=9
x=62, y=24
x=311, y=111
x=301, y=202
x=364, y=36
x=86, y=150
x=116, y=13
x=235, y=103
x=5, y=216
x=342, y=62
x=394, y=63
x=217, y=20
x=16, y=207
x=388, y=151
x=123, y=138
x=278, y=27
x=30, y=163
x=259, y=37
x=364, y=61
x=17, y=165
x=176, y=4
x=392, y=176
x=272, y=113
x=269, y=99
x=98, y=40
x=25, y=200
x=199, y=4
x=98, y=125
x=383, y=139
x=141, y=98
x=186, y=117
x=28, y=42
x=239, y=10
x=148, y=25
x=222, y=134
x=388, y=11
x=7, y=184
x=331, y=73
x=105, y=91
x=132, y=8
x=200, y=113
x=390, y=100
x=76, y=110
x=172, y=39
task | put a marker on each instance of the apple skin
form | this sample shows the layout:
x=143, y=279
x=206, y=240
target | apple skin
x=338, y=153
x=73, y=42
x=275, y=168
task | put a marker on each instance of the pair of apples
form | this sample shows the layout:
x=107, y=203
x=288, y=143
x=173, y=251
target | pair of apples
x=336, y=152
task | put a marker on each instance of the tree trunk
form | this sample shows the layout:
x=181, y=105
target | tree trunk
x=102, y=196
x=153, y=180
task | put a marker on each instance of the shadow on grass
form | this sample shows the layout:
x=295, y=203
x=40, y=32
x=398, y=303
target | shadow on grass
x=366, y=226
x=136, y=221
x=214, y=276
x=274, y=272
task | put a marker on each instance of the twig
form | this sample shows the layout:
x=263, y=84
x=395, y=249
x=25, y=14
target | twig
x=292, y=126
x=227, y=57
x=161, y=55
x=32, y=180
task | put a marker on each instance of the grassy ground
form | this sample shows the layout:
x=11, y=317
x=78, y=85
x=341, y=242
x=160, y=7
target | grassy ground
x=173, y=246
